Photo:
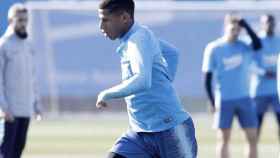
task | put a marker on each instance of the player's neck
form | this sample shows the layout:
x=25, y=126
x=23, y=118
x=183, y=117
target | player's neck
x=126, y=29
x=230, y=39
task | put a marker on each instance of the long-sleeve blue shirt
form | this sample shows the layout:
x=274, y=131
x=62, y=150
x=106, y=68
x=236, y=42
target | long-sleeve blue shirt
x=152, y=102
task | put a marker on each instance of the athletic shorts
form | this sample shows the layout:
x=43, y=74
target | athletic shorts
x=263, y=103
x=244, y=109
x=177, y=142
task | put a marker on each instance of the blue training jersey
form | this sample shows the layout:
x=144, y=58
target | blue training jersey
x=229, y=63
x=152, y=103
x=278, y=77
x=266, y=59
x=171, y=55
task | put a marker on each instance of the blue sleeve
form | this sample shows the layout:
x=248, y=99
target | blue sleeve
x=278, y=77
x=140, y=49
x=171, y=55
x=37, y=104
x=3, y=103
x=209, y=64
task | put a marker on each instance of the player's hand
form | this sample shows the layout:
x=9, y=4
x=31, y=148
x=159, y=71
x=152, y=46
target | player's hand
x=212, y=109
x=242, y=22
x=9, y=117
x=270, y=74
x=38, y=116
x=101, y=104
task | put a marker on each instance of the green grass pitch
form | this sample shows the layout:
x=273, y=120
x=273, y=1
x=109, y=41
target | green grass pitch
x=91, y=137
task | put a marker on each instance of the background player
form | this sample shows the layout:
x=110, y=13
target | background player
x=265, y=87
x=19, y=97
x=227, y=60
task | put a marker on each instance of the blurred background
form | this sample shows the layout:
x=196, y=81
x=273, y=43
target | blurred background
x=74, y=62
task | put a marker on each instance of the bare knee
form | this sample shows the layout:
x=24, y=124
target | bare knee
x=251, y=135
x=224, y=136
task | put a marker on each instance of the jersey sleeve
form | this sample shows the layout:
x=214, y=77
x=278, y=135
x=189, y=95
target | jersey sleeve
x=3, y=102
x=209, y=61
x=171, y=55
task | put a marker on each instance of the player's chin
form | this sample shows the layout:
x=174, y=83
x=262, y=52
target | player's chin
x=112, y=38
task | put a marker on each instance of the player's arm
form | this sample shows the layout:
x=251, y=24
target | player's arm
x=208, y=67
x=3, y=102
x=208, y=77
x=37, y=103
x=141, y=66
x=261, y=71
x=256, y=42
x=171, y=55
x=278, y=77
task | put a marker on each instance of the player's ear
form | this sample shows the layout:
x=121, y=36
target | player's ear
x=125, y=17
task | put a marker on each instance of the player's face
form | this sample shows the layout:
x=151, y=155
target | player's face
x=267, y=24
x=20, y=22
x=232, y=30
x=111, y=24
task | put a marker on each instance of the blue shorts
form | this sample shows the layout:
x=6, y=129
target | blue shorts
x=263, y=103
x=179, y=142
x=244, y=109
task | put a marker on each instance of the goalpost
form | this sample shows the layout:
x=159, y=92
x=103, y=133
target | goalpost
x=189, y=25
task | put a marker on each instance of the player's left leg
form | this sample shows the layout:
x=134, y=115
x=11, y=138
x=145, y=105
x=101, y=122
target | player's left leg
x=262, y=103
x=278, y=122
x=178, y=142
x=21, y=135
x=251, y=137
x=276, y=109
x=248, y=120
x=133, y=145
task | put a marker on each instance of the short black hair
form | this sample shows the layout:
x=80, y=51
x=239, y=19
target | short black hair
x=118, y=5
x=270, y=17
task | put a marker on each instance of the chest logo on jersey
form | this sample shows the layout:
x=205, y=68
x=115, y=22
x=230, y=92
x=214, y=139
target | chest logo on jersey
x=232, y=62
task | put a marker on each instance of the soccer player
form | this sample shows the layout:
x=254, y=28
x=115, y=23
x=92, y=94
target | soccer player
x=226, y=61
x=265, y=87
x=159, y=127
x=18, y=94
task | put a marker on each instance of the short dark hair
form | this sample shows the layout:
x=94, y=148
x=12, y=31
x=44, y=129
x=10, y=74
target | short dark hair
x=118, y=5
x=270, y=17
x=231, y=18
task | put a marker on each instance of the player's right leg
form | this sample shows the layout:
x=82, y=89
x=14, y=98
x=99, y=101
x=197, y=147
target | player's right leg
x=131, y=145
x=223, y=121
x=2, y=132
x=261, y=104
x=276, y=109
x=251, y=136
x=223, y=142
x=247, y=116
x=7, y=147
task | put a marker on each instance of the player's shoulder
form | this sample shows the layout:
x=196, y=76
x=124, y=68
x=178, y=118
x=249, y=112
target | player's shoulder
x=243, y=44
x=7, y=39
x=4, y=40
x=215, y=45
x=141, y=33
